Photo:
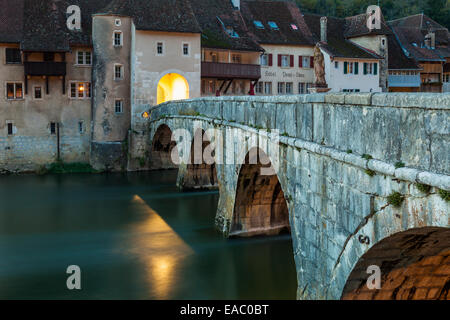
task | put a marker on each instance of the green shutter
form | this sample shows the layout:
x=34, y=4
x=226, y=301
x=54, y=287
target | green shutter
x=375, y=68
x=345, y=67
x=356, y=67
x=365, y=67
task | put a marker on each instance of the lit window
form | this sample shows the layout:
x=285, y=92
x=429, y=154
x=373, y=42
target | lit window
x=80, y=90
x=160, y=48
x=185, y=49
x=38, y=92
x=14, y=91
x=294, y=27
x=118, y=72
x=84, y=58
x=273, y=25
x=118, y=39
x=13, y=56
x=258, y=24
x=118, y=106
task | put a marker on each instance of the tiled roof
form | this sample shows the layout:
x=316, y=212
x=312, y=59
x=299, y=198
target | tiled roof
x=284, y=14
x=357, y=26
x=397, y=58
x=337, y=45
x=213, y=17
x=411, y=32
x=157, y=15
x=11, y=20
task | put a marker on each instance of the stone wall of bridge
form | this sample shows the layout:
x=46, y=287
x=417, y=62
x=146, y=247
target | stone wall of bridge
x=354, y=170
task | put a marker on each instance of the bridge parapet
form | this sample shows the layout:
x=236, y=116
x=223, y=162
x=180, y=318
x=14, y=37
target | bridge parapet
x=391, y=130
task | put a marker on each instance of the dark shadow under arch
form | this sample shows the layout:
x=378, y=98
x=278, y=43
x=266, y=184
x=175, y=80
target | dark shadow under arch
x=162, y=147
x=260, y=205
x=415, y=265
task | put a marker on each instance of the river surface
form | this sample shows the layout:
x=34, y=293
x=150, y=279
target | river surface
x=134, y=236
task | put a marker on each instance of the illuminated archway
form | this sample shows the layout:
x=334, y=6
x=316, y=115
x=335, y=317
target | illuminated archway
x=172, y=87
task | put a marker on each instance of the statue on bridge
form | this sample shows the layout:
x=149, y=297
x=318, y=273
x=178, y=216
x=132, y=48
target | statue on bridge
x=320, y=84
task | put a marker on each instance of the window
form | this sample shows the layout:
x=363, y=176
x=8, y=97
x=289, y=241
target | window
x=13, y=56
x=306, y=62
x=230, y=31
x=49, y=56
x=273, y=25
x=264, y=60
x=81, y=127
x=185, y=49
x=118, y=72
x=212, y=86
x=118, y=22
x=84, y=58
x=118, y=106
x=280, y=87
x=289, y=88
x=260, y=87
x=118, y=39
x=38, y=93
x=214, y=57
x=236, y=58
x=268, y=88
x=52, y=127
x=159, y=48
x=10, y=126
x=14, y=91
x=285, y=61
x=258, y=24
x=301, y=88
x=446, y=77
x=351, y=67
x=370, y=68
x=80, y=90
x=336, y=64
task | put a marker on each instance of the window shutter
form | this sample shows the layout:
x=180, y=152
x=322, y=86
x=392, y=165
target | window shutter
x=365, y=68
x=270, y=59
x=311, y=62
x=300, y=61
x=356, y=67
x=345, y=67
x=279, y=60
x=375, y=68
x=292, y=61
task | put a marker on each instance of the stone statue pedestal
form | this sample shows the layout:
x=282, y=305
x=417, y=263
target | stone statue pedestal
x=319, y=89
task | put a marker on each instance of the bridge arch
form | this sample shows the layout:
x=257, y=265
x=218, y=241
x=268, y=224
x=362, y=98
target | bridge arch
x=415, y=265
x=201, y=172
x=260, y=206
x=162, y=149
x=172, y=86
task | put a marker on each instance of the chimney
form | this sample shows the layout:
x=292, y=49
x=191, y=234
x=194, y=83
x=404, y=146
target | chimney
x=236, y=4
x=323, y=29
x=433, y=40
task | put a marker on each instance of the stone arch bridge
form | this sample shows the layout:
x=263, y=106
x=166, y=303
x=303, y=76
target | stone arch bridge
x=358, y=180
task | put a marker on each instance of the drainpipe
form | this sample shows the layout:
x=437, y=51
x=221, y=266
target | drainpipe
x=58, y=141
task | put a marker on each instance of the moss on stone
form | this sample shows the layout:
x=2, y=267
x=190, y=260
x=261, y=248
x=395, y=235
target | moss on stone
x=396, y=199
x=423, y=188
x=370, y=173
x=62, y=168
x=445, y=195
x=399, y=165
x=367, y=156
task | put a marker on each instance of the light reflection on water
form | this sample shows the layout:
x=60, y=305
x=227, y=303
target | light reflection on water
x=135, y=236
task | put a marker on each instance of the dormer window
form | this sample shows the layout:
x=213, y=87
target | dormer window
x=273, y=25
x=118, y=22
x=294, y=26
x=258, y=24
x=231, y=32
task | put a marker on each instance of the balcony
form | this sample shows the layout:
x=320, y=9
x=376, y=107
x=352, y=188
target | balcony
x=231, y=71
x=45, y=68
x=396, y=81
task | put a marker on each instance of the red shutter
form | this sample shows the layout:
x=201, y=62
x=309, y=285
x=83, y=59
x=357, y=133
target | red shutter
x=279, y=60
x=311, y=62
x=300, y=61
x=270, y=59
x=292, y=61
